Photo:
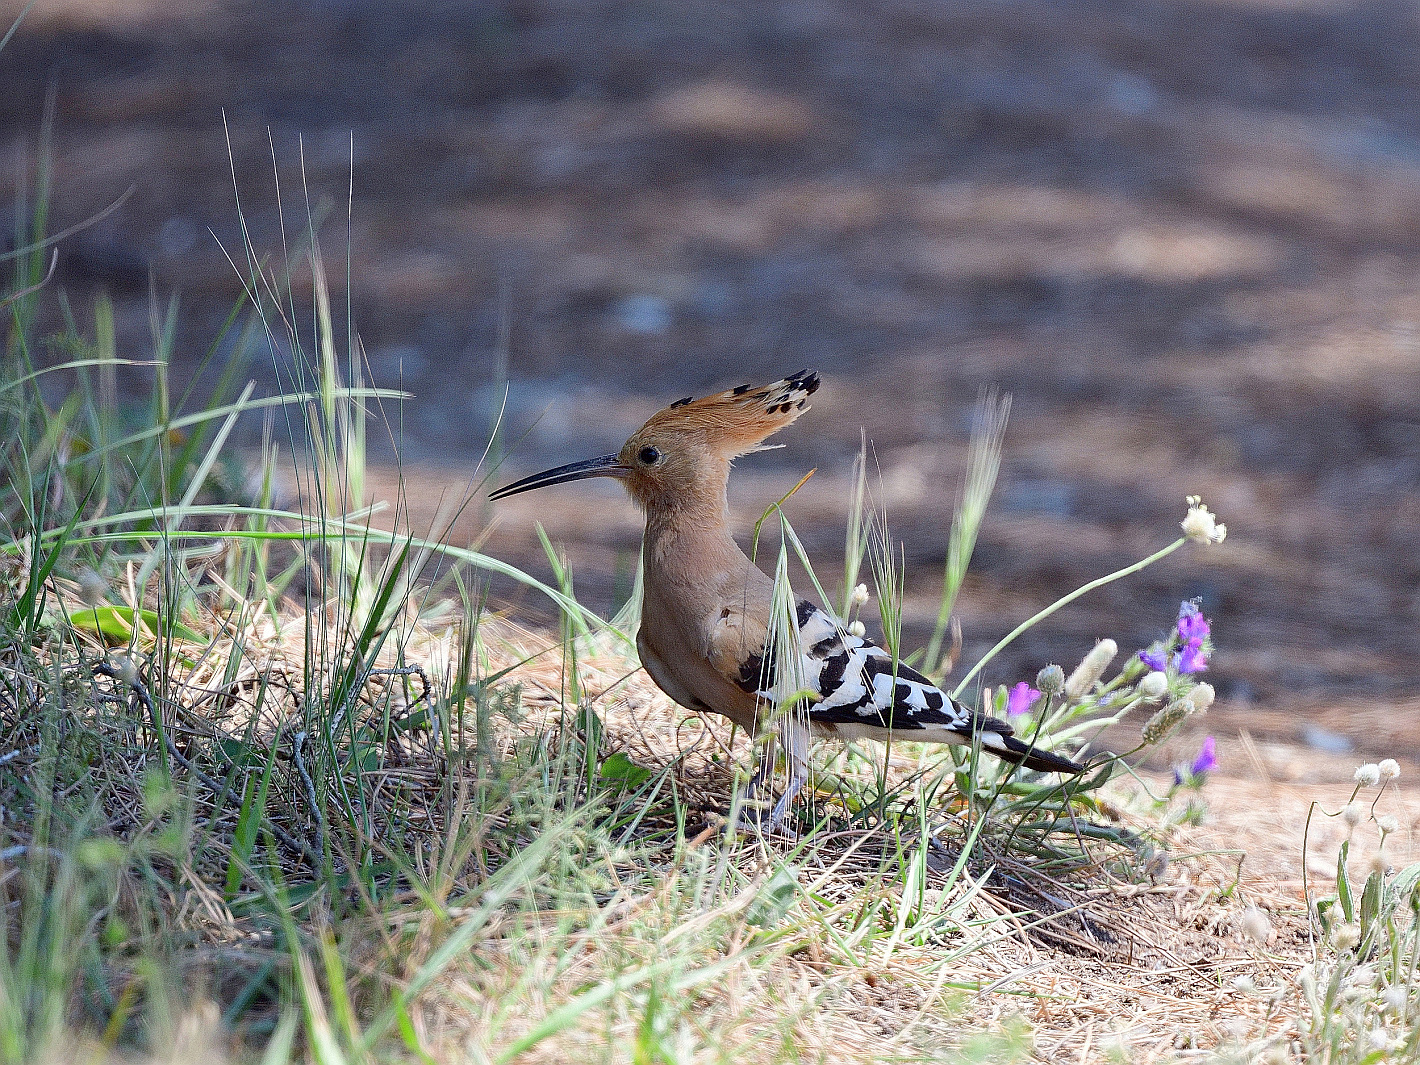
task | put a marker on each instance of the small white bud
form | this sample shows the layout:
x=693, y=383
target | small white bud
x=1387, y=824
x=1050, y=680
x=1389, y=769
x=1202, y=526
x=1091, y=667
x=1352, y=814
x=1154, y=685
x=857, y=628
x=1368, y=775
x=1201, y=696
x=1256, y=926
x=859, y=596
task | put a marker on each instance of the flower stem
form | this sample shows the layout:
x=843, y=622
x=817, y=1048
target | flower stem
x=1099, y=582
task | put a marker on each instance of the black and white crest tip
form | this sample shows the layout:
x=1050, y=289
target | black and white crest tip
x=862, y=692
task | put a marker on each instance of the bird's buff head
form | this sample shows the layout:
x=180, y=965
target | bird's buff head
x=685, y=451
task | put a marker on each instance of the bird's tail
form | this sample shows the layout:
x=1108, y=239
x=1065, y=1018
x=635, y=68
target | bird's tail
x=1013, y=750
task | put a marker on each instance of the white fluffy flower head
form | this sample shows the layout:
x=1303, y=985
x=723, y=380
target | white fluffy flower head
x=1201, y=696
x=859, y=596
x=1201, y=525
x=1389, y=768
x=1368, y=775
x=1154, y=685
x=1346, y=936
x=857, y=628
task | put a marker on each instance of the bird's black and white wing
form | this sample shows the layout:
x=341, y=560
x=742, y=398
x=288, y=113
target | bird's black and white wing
x=863, y=692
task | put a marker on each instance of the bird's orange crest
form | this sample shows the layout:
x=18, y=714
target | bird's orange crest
x=735, y=421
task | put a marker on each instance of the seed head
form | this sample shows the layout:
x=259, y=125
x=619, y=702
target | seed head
x=1352, y=814
x=1244, y=985
x=1346, y=936
x=1164, y=721
x=1368, y=775
x=1387, y=824
x=1256, y=926
x=1394, y=998
x=1091, y=667
x=93, y=589
x=1201, y=697
x=1154, y=685
x=857, y=628
x=1389, y=768
x=1050, y=680
x=859, y=596
x=1201, y=525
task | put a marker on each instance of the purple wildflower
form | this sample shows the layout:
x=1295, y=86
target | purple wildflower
x=1192, y=625
x=1193, y=658
x=1204, y=763
x=1207, y=759
x=1153, y=659
x=1022, y=697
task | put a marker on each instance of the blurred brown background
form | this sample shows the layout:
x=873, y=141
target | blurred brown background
x=1182, y=233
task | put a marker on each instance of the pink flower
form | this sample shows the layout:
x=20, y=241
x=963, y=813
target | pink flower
x=1193, y=658
x=1205, y=762
x=1192, y=625
x=1021, y=699
x=1207, y=759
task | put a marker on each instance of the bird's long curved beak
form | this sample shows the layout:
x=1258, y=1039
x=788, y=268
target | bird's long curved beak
x=606, y=466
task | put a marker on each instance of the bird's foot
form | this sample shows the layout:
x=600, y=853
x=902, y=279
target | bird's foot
x=757, y=817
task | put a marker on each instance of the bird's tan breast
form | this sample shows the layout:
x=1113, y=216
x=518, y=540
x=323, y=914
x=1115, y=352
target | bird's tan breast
x=700, y=620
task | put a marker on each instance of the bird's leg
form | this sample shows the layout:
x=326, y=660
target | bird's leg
x=762, y=775
x=765, y=772
x=795, y=737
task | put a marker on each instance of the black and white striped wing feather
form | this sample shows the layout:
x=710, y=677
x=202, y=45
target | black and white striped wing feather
x=863, y=693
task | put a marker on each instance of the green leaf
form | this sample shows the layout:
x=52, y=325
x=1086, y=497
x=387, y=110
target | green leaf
x=248, y=821
x=1343, y=883
x=772, y=903
x=620, y=769
x=1371, y=901
x=116, y=624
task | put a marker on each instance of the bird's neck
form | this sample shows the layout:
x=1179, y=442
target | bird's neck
x=694, y=530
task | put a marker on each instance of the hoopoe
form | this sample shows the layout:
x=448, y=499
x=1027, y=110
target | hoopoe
x=707, y=610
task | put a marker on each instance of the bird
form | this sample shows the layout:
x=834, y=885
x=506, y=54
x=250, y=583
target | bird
x=708, y=631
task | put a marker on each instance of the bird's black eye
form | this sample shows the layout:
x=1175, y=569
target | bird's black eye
x=648, y=456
